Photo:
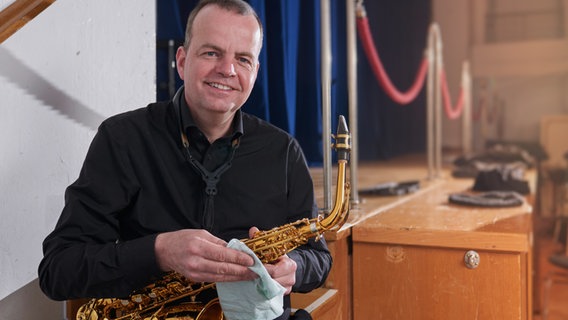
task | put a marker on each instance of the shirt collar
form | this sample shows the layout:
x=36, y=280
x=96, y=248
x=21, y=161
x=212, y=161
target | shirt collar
x=187, y=120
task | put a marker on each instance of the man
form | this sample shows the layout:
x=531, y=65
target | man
x=163, y=188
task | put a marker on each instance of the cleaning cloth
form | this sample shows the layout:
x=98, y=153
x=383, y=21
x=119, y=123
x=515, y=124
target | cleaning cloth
x=258, y=299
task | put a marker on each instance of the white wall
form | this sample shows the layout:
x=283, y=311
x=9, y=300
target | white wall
x=5, y=3
x=75, y=64
x=453, y=18
x=528, y=79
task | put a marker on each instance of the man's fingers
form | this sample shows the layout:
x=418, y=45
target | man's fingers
x=284, y=272
x=228, y=255
x=252, y=231
x=201, y=269
x=198, y=255
x=211, y=238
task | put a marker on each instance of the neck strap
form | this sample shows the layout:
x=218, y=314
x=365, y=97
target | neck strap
x=210, y=178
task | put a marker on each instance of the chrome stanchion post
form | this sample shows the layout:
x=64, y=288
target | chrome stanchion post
x=352, y=95
x=430, y=87
x=326, y=100
x=467, y=140
x=438, y=100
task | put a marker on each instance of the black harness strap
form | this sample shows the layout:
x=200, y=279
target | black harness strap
x=210, y=178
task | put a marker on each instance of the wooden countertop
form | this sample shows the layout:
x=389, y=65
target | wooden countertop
x=370, y=174
x=428, y=219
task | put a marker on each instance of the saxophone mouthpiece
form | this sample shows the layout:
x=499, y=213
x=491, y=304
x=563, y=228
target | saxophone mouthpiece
x=342, y=126
x=342, y=136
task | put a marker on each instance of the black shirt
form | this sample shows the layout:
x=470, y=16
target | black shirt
x=136, y=182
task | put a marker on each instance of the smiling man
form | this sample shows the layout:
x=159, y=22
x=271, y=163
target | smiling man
x=165, y=187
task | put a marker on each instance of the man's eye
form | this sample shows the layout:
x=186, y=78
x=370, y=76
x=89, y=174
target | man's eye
x=245, y=60
x=211, y=53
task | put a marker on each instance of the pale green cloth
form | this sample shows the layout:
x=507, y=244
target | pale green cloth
x=258, y=299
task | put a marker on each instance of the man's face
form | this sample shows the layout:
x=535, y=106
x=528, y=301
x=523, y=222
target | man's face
x=220, y=65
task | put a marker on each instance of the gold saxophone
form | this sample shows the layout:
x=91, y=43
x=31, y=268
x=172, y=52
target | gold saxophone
x=176, y=297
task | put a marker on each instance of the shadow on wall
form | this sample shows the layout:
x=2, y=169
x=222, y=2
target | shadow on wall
x=34, y=84
x=30, y=303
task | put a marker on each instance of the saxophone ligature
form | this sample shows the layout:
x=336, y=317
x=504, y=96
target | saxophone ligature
x=176, y=297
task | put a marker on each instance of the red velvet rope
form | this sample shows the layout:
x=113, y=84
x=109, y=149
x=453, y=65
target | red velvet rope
x=384, y=80
x=379, y=70
x=455, y=112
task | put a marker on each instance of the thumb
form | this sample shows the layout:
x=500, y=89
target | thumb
x=252, y=231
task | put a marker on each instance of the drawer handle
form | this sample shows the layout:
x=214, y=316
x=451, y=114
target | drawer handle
x=471, y=259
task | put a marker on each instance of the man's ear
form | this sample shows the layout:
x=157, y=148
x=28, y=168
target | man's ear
x=180, y=61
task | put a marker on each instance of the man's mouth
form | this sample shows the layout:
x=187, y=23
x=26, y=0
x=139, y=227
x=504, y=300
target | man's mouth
x=219, y=86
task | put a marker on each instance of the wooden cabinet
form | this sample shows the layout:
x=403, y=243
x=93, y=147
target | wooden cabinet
x=321, y=303
x=408, y=262
x=340, y=241
x=340, y=274
x=410, y=282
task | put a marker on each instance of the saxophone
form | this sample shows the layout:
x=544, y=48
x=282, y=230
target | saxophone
x=175, y=297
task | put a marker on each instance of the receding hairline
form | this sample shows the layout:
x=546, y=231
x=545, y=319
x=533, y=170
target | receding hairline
x=237, y=6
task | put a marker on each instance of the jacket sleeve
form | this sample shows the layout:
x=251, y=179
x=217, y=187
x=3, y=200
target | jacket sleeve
x=84, y=256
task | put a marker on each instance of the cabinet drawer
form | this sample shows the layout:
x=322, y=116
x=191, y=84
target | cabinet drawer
x=415, y=282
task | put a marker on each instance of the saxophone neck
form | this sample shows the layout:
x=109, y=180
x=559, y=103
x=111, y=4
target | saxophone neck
x=338, y=214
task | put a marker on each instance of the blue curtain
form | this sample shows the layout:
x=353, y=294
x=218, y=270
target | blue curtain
x=287, y=92
x=288, y=89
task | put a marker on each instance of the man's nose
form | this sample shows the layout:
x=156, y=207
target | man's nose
x=226, y=67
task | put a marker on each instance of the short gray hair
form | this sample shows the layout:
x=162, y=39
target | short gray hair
x=238, y=6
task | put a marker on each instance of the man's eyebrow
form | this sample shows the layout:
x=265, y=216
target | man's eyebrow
x=210, y=46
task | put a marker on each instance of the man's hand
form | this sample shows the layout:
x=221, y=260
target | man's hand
x=201, y=257
x=283, y=270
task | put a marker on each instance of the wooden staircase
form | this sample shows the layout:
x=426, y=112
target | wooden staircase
x=17, y=14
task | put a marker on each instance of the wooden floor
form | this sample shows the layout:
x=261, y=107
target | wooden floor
x=545, y=246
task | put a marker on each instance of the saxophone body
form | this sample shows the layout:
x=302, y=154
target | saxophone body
x=176, y=297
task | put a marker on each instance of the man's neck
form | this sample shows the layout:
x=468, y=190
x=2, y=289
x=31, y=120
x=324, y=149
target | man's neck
x=214, y=125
